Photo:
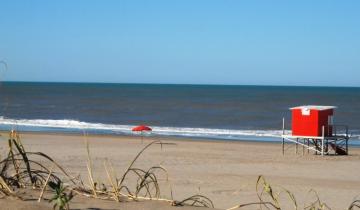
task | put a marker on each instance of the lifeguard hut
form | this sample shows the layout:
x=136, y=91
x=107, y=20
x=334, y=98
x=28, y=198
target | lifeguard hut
x=313, y=128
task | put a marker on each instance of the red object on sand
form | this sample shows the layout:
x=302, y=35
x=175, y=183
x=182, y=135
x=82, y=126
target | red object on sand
x=309, y=120
x=142, y=128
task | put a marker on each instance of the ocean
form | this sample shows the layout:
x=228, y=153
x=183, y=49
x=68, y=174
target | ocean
x=198, y=111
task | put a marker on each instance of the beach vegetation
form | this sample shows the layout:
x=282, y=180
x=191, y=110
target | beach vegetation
x=270, y=199
x=34, y=171
x=61, y=198
x=21, y=169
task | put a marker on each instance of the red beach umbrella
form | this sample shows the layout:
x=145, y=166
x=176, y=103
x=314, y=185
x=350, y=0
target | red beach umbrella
x=141, y=128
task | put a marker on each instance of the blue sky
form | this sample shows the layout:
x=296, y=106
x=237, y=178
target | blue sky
x=191, y=42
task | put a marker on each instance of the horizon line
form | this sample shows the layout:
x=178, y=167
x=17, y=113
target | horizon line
x=191, y=84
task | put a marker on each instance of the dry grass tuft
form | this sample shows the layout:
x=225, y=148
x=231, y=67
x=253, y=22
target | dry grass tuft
x=316, y=204
x=195, y=200
x=35, y=170
x=269, y=198
x=354, y=205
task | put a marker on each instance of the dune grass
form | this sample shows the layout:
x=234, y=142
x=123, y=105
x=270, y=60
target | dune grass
x=270, y=198
x=35, y=170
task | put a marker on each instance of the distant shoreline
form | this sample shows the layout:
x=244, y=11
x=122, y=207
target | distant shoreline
x=172, y=138
x=158, y=137
x=177, y=84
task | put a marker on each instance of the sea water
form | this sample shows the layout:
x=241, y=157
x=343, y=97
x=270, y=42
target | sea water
x=199, y=111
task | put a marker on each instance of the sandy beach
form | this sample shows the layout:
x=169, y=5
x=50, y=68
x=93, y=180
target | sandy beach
x=224, y=171
x=215, y=88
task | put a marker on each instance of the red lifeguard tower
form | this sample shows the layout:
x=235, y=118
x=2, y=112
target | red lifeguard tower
x=313, y=128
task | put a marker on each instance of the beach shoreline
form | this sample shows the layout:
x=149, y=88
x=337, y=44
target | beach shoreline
x=148, y=137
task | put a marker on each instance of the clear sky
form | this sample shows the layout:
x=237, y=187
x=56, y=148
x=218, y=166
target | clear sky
x=315, y=42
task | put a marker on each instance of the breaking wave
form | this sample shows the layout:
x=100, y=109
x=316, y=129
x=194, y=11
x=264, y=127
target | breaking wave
x=68, y=125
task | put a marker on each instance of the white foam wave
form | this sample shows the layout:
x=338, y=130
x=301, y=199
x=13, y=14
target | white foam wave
x=126, y=129
x=71, y=124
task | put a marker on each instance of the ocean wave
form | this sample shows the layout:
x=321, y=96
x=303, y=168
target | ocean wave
x=74, y=125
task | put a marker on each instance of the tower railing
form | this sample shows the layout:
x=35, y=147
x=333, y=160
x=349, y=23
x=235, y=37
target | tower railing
x=333, y=137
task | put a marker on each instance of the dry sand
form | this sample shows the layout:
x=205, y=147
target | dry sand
x=226, y=172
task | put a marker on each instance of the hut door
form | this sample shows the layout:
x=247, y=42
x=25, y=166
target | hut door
x=330, y=120
x=330, y=125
